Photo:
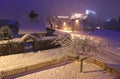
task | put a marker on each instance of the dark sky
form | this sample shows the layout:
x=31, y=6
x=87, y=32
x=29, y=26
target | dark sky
x=19, y=9
x=104, y=8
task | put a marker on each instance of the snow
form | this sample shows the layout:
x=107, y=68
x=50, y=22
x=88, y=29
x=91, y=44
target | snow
x=108, y=35
x=29, y=36
x=107, y=38
x=66, y=71
x=63, y=72
x=12, y=40
x=26, y=59
x=69, y=71
x=111, y=54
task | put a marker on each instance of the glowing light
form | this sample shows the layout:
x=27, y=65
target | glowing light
x=98, y=27
x=65, y=28
x=63, y=16
x=77, y=35
x=76, y=15
x=108, y=20
x=79, y=15
x=64, y=23
x=77, y=21
x=90, y=12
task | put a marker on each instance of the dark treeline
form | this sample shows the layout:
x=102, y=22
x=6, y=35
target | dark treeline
x=112, y=24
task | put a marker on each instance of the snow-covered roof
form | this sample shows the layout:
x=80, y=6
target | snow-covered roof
x=25, y=37
x=11, y=40
x=29, y=36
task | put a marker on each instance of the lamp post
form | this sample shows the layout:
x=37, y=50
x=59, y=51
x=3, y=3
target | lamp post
x=64, y=23
x=64, y=26
x=76, y=23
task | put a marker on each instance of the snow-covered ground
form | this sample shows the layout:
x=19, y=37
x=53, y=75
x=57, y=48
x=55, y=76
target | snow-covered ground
x=106, y=37
x=111, y=54
x=26, y=59
x=68, y=71
x=113, y=37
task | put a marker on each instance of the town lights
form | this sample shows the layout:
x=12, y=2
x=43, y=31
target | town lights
x=66, y=28
x=90, y=12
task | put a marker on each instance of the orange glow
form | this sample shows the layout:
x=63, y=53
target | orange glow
x=68, y=31
x=77, y=21
x=64, y=23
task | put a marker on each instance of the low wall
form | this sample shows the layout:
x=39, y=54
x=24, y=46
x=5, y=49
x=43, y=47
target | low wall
x=7, y=73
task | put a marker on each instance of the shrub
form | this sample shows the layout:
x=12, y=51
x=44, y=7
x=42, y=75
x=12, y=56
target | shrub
x=5, y=33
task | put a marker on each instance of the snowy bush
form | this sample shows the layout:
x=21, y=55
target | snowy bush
x=77, y=47
x=5, y=33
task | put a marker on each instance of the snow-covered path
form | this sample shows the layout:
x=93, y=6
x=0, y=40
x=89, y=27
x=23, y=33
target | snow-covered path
x=68, y=71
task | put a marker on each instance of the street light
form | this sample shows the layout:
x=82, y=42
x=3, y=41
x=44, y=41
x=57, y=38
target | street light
x=77, y=21
x=76, y=25
x=64, y=24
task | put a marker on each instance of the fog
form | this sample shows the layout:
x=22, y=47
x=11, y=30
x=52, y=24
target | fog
x=19, y=9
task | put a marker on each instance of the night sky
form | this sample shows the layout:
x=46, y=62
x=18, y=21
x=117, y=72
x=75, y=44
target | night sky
x=104, y=8
x=17, y=9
